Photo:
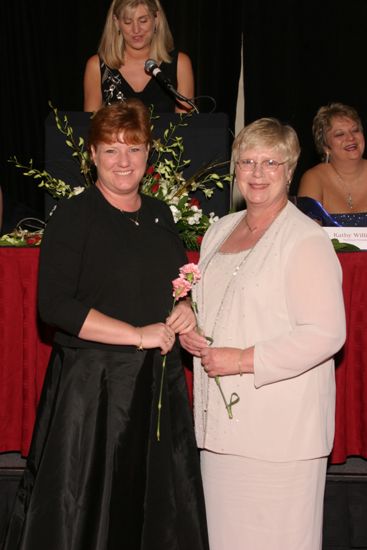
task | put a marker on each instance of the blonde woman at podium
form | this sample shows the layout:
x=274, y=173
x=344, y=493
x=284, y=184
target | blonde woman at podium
x=137, y=31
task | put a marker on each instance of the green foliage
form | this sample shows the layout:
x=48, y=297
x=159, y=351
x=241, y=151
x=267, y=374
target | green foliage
x=344, y=247
x=164, y=177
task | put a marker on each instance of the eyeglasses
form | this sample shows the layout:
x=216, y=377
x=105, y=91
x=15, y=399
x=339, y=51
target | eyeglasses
x=267, y=165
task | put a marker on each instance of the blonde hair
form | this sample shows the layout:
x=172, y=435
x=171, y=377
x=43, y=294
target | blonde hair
x=323, y=121
x=112, y=48
x=269, y=132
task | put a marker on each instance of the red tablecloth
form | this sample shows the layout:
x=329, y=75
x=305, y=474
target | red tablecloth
x=351, y=363
x=23, y=354
x=25, y=350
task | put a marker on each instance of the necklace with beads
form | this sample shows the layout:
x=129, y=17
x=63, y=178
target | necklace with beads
x=243, y=257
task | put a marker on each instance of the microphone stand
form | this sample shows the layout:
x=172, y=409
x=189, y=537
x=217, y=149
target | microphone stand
x=181, y=97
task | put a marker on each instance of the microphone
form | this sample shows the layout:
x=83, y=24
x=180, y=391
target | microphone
x=152, y=68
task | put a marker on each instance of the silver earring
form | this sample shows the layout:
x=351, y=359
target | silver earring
x=327, y=157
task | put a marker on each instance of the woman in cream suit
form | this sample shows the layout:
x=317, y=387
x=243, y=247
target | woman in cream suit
x=270, y=298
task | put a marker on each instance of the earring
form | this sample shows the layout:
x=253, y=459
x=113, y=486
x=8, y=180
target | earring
x=327, y=157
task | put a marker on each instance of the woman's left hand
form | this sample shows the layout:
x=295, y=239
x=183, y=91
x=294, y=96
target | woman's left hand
x=225, y=361
x=182, y=318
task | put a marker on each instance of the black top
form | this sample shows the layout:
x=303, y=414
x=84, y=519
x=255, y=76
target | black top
x=116, y=88
x=94, y=256
x=96, y=476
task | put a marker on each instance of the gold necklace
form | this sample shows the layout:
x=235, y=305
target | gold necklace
x=349, y=194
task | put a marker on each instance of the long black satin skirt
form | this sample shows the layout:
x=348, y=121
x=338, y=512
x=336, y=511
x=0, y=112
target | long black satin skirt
x=96, y=476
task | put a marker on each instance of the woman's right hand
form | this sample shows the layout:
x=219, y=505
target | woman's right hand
x=158, y=335
x=193, y=342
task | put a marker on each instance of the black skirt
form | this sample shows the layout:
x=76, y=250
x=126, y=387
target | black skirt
x=96, y=476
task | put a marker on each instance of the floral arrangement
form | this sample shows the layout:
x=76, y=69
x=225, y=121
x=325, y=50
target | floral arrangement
x=164, y=180
x=22, y=237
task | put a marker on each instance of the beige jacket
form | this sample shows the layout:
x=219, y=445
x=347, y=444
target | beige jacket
x=286, y=300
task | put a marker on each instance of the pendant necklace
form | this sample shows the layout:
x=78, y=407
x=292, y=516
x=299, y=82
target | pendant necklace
x=134, y=220
x=254, y=228
x=349, y=194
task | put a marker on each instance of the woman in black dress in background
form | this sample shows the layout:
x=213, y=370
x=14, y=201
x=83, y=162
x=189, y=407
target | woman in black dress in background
x=136, y=30
x=96, y=476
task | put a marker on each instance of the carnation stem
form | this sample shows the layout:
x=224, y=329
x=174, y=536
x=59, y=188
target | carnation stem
x=233, y=399
x=160, y=399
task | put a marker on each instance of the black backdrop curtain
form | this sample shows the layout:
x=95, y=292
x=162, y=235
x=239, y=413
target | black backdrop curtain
x=298, y=55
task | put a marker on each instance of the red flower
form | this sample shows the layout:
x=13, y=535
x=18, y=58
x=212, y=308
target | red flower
x=150, y=170
x=199, y=239
x=33, y=240
x=155, y=188
x=194, y=202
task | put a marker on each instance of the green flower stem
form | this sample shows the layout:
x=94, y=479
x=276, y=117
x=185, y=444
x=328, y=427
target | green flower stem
x=160, y=398
x=161, y=384
x=233, y=399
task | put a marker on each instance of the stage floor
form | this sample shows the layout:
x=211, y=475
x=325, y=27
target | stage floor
x=345, y=508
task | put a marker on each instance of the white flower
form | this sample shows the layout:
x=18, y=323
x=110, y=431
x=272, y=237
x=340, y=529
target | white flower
x=174, y=200
x=177, y=215
x=196, y=216
x=77, y=191
x=213, y=218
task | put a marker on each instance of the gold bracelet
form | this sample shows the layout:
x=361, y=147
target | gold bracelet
x=242, y=351
x=140, y=346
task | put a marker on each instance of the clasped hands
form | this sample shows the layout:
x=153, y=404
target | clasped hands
x=163, y=335
x=217, y=361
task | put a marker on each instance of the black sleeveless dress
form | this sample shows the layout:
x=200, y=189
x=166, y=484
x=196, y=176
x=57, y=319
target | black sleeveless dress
x=96, y=476
x=116, y=88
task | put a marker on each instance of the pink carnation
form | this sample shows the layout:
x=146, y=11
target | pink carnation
x=181, y=287
x=190, y=272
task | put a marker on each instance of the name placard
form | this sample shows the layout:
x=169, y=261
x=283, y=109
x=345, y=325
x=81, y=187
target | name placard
x=356, y=236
